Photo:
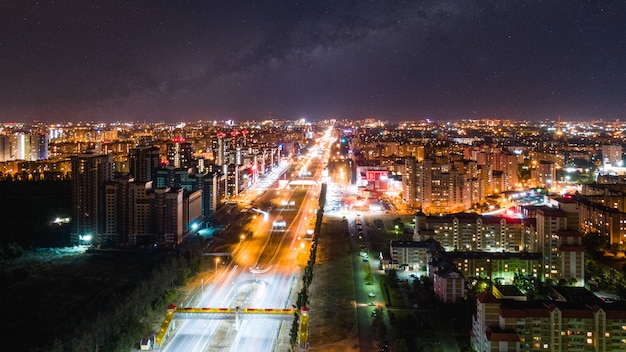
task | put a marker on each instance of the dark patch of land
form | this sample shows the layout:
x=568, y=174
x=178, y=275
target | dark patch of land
x=103, y=301
x=333, y=320
x=27, y=209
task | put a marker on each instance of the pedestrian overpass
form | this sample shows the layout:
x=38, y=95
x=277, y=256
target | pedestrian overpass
x=304, y=182
x=237, y=313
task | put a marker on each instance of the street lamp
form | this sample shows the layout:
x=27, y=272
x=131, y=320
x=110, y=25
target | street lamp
x=217, y=260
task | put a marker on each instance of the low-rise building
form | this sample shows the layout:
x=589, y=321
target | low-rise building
x=449, y=286
x=409, y=254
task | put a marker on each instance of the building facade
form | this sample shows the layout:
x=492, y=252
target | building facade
x=90, y=172
x=577, y=324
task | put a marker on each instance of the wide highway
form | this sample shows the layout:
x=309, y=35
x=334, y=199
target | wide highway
x=265, y=269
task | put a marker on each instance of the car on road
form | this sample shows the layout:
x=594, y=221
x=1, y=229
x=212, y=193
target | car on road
x=368, y=283
x=371, y=294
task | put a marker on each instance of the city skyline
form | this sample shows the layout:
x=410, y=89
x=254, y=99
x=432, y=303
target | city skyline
x=165, y=61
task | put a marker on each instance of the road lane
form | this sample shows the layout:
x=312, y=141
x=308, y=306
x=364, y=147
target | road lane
x=235, y=284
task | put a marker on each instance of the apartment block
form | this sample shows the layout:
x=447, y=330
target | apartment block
x=90, y=172
x=574, y=320
x=413, y=254
x=603, y=211
x=472, y=232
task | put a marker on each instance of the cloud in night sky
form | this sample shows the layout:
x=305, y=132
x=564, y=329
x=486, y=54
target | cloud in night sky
x=190, y=60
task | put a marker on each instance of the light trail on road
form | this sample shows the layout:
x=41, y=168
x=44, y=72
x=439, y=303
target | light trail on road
x=235, y=285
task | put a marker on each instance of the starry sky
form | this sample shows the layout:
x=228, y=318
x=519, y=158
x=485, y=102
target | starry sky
x=169, y=60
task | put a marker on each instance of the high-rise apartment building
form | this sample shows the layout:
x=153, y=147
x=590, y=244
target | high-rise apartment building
x=5, y=148
x=24, y=146
x=442, y=187
x=221, y=149
x=409, y=182
x=560, y=244
x=612, y=155
x=508, y=165
x=116, y=211
x=41, y=146
x=179, y=153
x=143, y=163
x=209, y=184
x=549, y=222
x=167, y=211
x=20, y=146
x=138, y=215
x=572, y=266
x=603, y=210
x=90, y=172
x=544, y=174
x=233, y=180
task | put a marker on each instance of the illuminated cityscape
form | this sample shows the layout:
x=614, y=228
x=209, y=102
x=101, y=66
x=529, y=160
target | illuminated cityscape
x=313, y=176
x=463, y=204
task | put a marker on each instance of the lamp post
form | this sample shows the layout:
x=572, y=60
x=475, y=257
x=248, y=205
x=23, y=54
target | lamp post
x=217, y=260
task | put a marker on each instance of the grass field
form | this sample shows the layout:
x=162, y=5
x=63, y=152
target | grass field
x=333, y=319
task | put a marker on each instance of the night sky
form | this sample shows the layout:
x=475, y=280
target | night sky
x=399, y=60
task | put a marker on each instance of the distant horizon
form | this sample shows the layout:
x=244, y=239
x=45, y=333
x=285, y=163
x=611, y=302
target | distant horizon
x=85, y=122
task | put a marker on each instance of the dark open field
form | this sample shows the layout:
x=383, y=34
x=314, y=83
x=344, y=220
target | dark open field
x=27, y=209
